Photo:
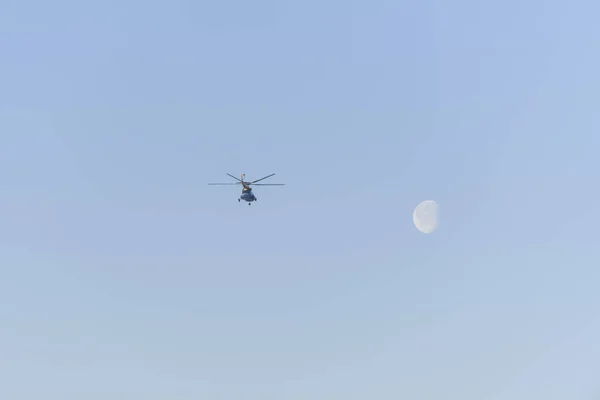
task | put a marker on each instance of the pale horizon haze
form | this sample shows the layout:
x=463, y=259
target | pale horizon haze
x=125, y=276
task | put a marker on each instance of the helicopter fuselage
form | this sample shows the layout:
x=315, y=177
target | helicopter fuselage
x=247, y=195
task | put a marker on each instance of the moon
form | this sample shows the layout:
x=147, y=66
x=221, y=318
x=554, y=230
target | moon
x=426, y=216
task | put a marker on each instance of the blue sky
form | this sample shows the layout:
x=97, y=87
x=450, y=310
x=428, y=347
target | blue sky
x=125, y=276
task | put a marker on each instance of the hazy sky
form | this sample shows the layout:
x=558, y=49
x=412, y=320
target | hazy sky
x=124, y=276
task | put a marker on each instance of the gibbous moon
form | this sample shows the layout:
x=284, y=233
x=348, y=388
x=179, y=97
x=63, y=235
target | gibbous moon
x=426, y=216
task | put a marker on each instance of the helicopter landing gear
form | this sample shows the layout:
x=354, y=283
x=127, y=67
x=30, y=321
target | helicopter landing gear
x=239, y=200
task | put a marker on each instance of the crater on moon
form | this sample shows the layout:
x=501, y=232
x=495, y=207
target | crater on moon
x=426, y=216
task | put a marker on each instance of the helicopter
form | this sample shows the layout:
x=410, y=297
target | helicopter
x=247, y=194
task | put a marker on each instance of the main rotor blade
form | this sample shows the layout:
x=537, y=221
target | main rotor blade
x=228, y=183
x=268, y=184
x=237, y=179
x=258, y=180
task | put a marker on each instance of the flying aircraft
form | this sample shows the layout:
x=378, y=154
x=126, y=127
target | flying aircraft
x=247, y=194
